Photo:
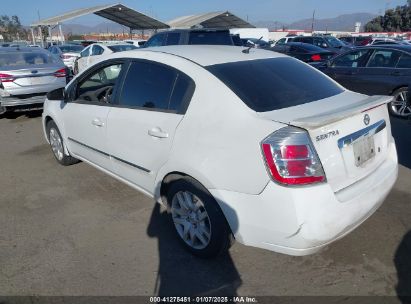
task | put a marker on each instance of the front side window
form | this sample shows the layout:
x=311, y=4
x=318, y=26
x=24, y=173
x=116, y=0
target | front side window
x=99, y=86
x=156, y=86
x=173, y=39
x=353, y=59
x=281, y=83
x=156, y=40
x=281, y=41
x=85, y=52
x=384, y=59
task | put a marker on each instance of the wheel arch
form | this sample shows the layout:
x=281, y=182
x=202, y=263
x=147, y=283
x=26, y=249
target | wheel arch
x=398, y=87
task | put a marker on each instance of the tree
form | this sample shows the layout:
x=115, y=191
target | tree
x=394, y=20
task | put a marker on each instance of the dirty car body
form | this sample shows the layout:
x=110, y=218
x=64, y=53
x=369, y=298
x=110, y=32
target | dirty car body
x=293, y=160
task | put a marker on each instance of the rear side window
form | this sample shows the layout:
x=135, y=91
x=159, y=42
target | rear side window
x=122, y=47
x=210, y=38
x=281, y=83
x=156, y=86
x=353, y=59
x=97, y=50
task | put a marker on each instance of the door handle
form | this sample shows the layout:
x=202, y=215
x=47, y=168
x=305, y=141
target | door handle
x=97, y=122
x=157, y=132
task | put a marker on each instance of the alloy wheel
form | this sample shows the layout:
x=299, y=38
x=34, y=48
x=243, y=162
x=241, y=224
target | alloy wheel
x=191, y=219
x=56, y=144
x=400, y=105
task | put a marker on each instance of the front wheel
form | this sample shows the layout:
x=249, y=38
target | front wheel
x=400, y=106
x=198, y=220
x=57, y=145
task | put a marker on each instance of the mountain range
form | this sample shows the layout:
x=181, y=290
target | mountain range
x=341, y=23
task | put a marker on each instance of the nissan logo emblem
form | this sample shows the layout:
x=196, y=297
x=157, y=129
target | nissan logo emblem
x=367, y=119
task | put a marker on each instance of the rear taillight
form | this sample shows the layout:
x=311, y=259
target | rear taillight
x=316, y=58
x=60, y=73
x=6, y=78
x=291, y=158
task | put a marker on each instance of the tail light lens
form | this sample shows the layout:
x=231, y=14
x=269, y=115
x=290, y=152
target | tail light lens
x=60, y=73
x=316, y=57
x=291, y=158
x=6, y=78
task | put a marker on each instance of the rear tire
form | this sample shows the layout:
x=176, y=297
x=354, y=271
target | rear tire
x=57, y=145
x=400, y=106
x=198, y=220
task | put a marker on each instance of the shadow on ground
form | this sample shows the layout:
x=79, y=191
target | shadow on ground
x=22, y=114
x=401, y=130
x=402, y=261
x=180, y=273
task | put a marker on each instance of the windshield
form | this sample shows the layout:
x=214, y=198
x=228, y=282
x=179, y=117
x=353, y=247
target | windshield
x=275, y=83
x=122, y=47
x=25, y=58
x=334, y=42
x=71, y=48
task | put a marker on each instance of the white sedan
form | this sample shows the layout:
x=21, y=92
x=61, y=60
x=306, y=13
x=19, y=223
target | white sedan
x=96, y=51
x=288, y=161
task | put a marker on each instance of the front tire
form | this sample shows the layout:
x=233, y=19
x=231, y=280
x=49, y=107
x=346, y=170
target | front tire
x=57, y=145
x=198, y=220
x=400, y=106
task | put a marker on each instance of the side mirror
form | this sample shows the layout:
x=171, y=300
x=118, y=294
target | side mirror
x=57, y=94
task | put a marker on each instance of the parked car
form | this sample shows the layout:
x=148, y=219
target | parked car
x=356, y=41
x=136, y=42
x=308, y=53
x=376, y=70
x=326, y=42
x=66, y=52
x=96, y=51
x=256, y=43
x=27, y=75
x=191, y=36
x=288, y=161
x=285, y=40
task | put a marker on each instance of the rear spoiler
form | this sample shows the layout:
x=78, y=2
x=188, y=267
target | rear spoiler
x=329, y=117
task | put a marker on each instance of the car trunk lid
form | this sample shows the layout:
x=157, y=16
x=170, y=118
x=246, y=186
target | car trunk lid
x=350, y=132
x=32, y=76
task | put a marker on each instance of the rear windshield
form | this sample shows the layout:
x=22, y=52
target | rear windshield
x=211, y=38
x=71, y=48
x=275, y=83
x=25, y=58
x=122, y=47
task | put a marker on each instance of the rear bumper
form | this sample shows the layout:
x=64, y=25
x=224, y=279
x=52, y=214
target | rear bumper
x=301, y=221
x=13, y=101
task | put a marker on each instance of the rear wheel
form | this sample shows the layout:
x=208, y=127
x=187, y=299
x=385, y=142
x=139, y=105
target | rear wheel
x=198, y=220
x=57, y=145
x=400, y=106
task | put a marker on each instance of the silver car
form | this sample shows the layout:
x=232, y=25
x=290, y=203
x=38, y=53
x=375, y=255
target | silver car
x=27, y=75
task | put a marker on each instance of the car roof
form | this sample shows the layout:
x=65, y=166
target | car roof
x=194, y=30
x=206, y=55
x=400, y=47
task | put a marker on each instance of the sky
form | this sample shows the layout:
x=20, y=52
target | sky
x=164, y=10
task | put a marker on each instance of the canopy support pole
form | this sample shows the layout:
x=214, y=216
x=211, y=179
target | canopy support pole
x=32, y=35
x=61, y=33
x=41, y=36
x=50, y=37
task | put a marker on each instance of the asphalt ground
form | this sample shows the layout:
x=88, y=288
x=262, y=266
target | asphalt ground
x=72, y=231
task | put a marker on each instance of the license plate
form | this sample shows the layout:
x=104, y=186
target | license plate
x=37, y=80
x=364, y=150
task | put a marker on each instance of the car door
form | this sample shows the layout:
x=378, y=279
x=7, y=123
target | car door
x=85, y=115
x=379, y=77
x=141, y=127
x=344, y=68
x=82, y=61
x=96, y=52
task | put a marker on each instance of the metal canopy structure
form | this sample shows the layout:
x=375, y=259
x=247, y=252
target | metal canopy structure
x=115, y=12
x=210, y=20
